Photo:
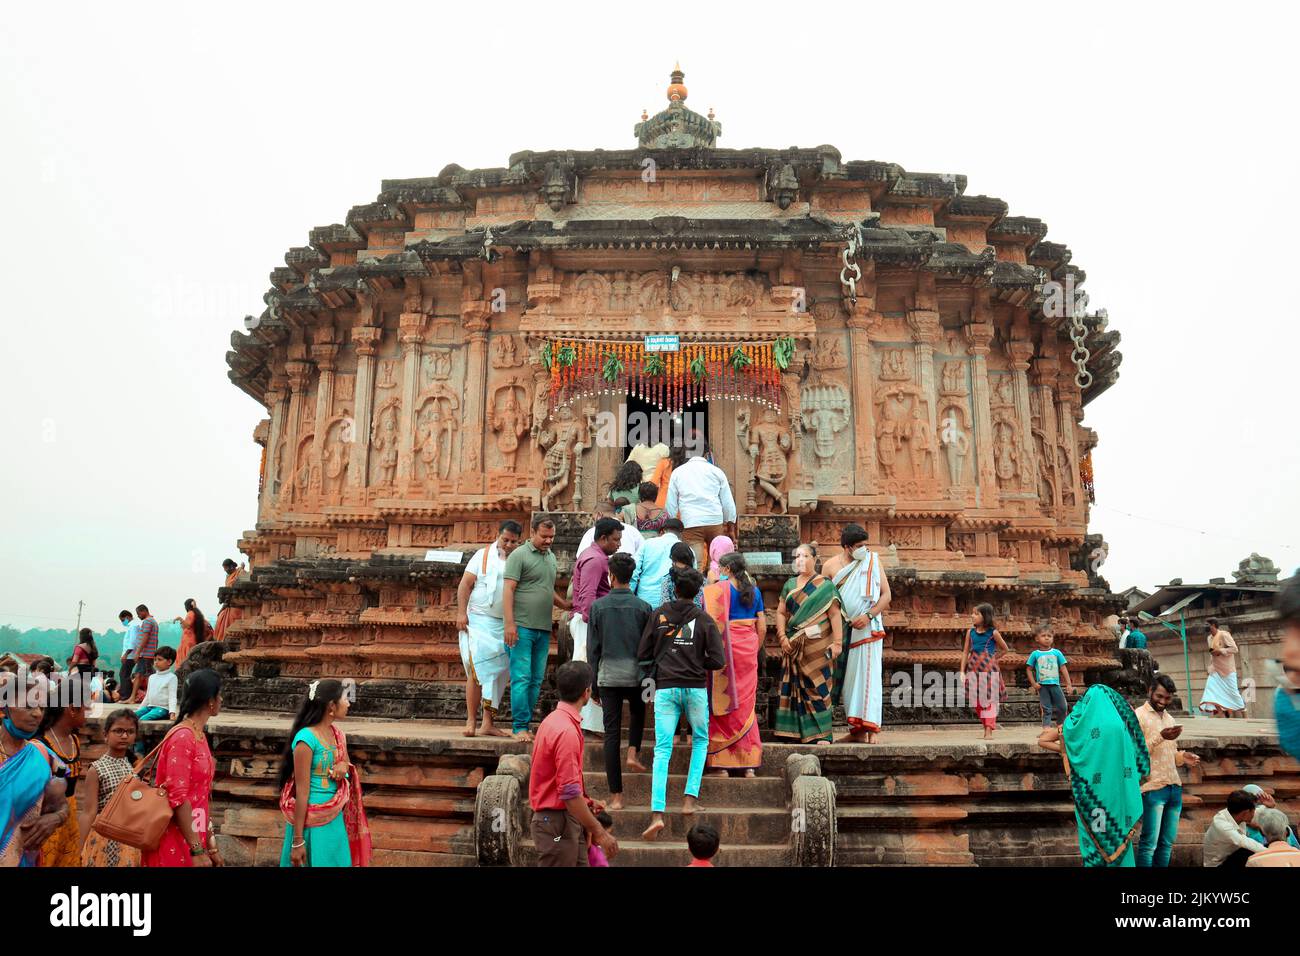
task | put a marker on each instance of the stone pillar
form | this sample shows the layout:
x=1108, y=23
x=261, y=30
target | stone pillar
x=276, y=405
x=1045, y=371
x=979, y=335
x=862, y=321
x=475, y=386
x=366, y=339
x=411, y=336
x=924, y=324
x=324, y=354
x=1020, y=353
x=1068, y=414
x=474, y=313
x=299, y=373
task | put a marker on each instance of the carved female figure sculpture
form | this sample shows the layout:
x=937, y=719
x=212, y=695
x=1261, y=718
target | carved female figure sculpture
x=955, y=443
x=771, y=443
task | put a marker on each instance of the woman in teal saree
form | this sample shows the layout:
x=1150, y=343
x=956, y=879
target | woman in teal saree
x=1105, y=759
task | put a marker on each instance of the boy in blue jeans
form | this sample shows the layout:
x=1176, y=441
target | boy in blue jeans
x=1046, y=667
x=160, y=694
x=685, y=644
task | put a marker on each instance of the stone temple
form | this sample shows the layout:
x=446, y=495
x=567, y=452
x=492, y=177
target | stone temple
x=865, y=344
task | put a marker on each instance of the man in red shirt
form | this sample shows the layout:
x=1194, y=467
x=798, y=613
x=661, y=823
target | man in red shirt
x=561, y=815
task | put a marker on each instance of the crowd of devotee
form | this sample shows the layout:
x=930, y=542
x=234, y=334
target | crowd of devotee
x=667, y=622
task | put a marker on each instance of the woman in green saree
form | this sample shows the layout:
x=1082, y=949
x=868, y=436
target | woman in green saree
x=1105, y=759
x=809, y=623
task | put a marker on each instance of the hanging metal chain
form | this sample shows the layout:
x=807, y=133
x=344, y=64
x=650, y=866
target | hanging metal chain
x=1080, y=355
x=851, y=273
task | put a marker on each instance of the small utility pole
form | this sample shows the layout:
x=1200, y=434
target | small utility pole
x=80, y=605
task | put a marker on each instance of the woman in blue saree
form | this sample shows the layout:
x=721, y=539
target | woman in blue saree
x=32, y=801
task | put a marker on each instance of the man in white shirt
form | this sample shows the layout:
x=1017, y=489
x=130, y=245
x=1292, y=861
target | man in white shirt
x=632, y=538
x=1226, y=843
x=480, y=620
x=700, y=495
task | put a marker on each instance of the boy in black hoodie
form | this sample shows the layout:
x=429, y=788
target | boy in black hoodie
x=685, y=644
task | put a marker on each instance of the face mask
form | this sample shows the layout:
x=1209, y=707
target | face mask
x=862, y=553
x=1288, y=723
x=15, y=732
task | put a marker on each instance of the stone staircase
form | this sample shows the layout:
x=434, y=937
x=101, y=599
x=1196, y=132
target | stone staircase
x=751, y=815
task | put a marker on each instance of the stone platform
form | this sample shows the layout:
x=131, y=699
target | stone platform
x=940, y=796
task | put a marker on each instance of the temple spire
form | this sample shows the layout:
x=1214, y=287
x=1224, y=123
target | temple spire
x=677, y=127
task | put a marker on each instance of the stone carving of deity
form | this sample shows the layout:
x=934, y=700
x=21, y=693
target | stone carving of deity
x=1065, y=468
x=386, y=369
x=956, y=444
x=894, y=427
x=336, y=460
x=541, y=400
x=1006, y=457
x=825, y=414
x=510, y=422
x=564, y=442
x=921, y=444
x=953, y=379
x=384, y=445
x=504, y=352
x=769, y=448
x=1003, y=394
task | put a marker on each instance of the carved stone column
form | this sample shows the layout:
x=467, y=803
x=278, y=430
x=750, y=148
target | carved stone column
x=276, y=405
x=1020, y=353
x=366, y=338
x=1068, y=414
x=979, y=334
x=299, y=373
x=324, y=354
x=1044, y=374
x=411, y=335
x=474, y=312
x=862, y=321
x=924, y=324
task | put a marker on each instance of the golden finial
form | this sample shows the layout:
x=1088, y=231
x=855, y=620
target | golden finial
x=677, y=89
x=644, y=115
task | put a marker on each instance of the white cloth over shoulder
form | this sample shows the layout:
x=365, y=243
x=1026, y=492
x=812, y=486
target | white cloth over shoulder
x=860, y=584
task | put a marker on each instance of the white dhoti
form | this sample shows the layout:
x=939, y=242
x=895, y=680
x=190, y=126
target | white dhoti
x=859, y=585
x=1221, y=691
x=484, y=653
x=593, y=718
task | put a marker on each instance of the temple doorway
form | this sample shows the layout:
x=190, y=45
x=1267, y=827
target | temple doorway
x=647, y=423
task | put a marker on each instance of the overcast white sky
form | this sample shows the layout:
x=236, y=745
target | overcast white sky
x=159, y=159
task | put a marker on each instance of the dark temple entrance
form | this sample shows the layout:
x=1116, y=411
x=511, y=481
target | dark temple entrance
x=648, y=424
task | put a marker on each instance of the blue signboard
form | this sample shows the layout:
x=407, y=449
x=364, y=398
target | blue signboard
x=662, y=343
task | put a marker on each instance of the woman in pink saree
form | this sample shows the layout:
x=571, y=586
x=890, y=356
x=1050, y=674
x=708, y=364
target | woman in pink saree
x=736, y=605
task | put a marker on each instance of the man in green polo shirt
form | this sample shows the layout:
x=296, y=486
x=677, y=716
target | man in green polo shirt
x=528, y=598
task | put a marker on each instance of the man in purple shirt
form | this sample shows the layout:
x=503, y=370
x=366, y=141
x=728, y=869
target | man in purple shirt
x=591, y=581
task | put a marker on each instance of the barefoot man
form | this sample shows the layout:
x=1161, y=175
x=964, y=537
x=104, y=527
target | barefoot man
x=479, y=618
x=526, y=606
x=864, y=593
x=685, y=644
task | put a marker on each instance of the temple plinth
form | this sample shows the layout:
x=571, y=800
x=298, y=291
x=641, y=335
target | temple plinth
x=441, y=359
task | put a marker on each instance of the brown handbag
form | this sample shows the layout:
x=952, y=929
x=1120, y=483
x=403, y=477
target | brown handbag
x=137, y=814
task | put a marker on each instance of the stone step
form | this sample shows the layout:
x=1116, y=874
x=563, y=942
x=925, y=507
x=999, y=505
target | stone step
x=773, y=759
x=676, y=854
x=737, y=826
x=756, y=793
